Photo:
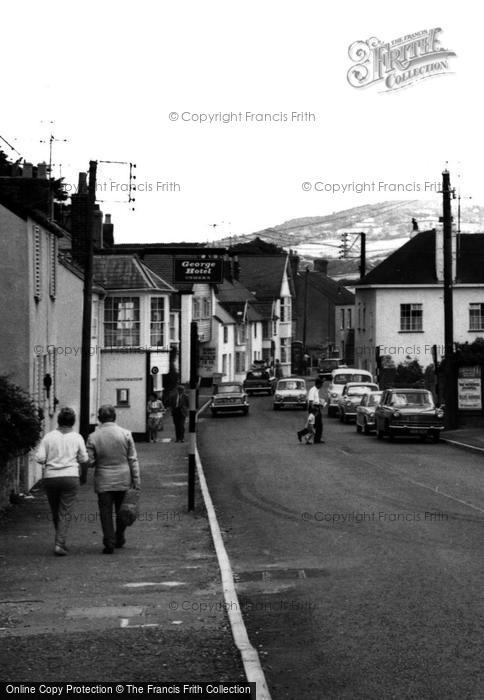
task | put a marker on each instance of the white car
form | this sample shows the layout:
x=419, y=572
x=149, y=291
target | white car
x=291, y=392
x=351, y=397
x=339, y=378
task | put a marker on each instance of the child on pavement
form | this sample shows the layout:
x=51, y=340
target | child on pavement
x=308, y=431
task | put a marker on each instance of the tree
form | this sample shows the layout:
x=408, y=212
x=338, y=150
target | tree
x=20, y=426
x=408, y=373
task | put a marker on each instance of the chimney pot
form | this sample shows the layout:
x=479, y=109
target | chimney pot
x=27, y=170
x=321, y=265
x=42, y=171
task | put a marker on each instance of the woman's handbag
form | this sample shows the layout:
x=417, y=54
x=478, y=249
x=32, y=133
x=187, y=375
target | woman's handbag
x=129, y=509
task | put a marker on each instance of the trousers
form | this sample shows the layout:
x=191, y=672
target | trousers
x=61, y=493
x=106, y=501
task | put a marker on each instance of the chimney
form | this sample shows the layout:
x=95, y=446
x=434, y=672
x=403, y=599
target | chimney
x=42, y=171
x=321, y=265
x=97, y=227
x=108, y=232
x=27, y=170
x=79, y=219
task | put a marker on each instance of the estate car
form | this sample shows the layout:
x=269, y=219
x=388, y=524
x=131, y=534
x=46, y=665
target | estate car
x=340, y=377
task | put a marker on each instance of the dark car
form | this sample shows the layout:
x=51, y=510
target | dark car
x=365, y=412
x=259, y=381
x=408, y=412
x=229, y=397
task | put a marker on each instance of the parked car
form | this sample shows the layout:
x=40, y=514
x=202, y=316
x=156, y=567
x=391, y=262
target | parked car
x=340, y=377
x=259, y=380
x=327, y=364
x=408, y=412
x=229, y=397
x=365, y=412
x=291, y=392
x=351, y=397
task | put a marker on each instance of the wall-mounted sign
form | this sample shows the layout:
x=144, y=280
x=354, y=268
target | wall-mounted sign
x=197, y=269
x=469, y=394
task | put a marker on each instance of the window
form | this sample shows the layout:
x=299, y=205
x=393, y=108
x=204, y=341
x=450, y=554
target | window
x=266, y=330
x=274, y=328
x=122, y=397
x=266, y=354
x=240, y=362
x=196, y=309
x=157, y=321
x=285, y=309
x=349, y=319
x=342, y=319
x=411, y=317
x=37, y=264
x=285, y=350
x=224, y=364
x=241, y=334
x=476, y=317
x=206, y=308
x=255, y=330
x=173, y=328
x=121, y=322
x=226, y=335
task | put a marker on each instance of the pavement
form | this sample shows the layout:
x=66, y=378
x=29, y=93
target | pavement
x=471, y=439
x=153, y=610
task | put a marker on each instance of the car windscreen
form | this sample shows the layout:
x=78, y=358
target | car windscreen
x=421, y=399
x=229, y=389
x=257, y=374
x=291, y=386
x=358, y=390
x=374, y=400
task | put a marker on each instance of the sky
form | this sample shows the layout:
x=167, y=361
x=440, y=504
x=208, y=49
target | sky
x=150, y=82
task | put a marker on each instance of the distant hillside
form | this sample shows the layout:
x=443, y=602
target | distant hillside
x=387, y=225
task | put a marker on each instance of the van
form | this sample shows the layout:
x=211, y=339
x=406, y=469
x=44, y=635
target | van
x=340, y=377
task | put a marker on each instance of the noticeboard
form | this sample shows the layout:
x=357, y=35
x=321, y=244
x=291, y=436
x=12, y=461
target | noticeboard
x=469, y=394
x=193, y=270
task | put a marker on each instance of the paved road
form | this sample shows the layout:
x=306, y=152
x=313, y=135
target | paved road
x=359, y=562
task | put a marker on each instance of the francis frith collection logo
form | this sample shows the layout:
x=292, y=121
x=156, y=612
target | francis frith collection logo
x=399, y=63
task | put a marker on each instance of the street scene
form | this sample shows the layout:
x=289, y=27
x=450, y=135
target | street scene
x=242, y=352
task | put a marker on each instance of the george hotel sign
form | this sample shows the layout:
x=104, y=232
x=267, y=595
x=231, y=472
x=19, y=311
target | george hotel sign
x=197, y=269
x=398, y=63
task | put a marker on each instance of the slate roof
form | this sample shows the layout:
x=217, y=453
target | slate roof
x=223, y=315
x=414, y=262
x=126, y=272
x=263, y=274
x=327, y=286
x=233, y=291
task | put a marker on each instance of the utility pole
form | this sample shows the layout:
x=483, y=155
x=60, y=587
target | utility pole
x=87, y=306
x=192, y=415
x=362, y=255
x=450, y=378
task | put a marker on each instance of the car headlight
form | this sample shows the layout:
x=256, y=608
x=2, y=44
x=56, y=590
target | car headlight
x=334, y=395
x=397, y=414
x=439, y=413
x=302, y=396
x=278, y=397
x=371, y=414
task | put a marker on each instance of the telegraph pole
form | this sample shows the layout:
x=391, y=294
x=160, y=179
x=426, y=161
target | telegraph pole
x=362, y=255
x=192, y=415
x=450, y=379
x=87, y=306
x=305, y=317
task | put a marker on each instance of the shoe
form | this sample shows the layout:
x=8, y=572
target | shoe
x=298, y=437
x=108, y=550
x=60, y=551
x=120, y=542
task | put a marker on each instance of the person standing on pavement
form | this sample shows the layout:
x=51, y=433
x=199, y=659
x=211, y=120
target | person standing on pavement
x=155, y=410
x=179, y=412
x=112, y=453
x=315, y=401
x=61, y=452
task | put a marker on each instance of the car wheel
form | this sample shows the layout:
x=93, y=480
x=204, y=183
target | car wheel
x=423, y=437
x=380, y=434
x=358, y=427
x=391, y=435
x=436, y=437
x=275, y=407
x=214, y=413
x=366, y=429
x=331, y=411
x=245, y=411
x=341, y=416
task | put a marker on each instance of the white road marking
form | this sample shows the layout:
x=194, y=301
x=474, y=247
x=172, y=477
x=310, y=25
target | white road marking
x=436, y=489
x=141, y=584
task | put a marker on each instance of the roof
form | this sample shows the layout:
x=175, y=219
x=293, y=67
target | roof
x=126, y=272
x=326, y=286
x=233, y=291
x=412, y=263
x=223, y=315
x=24, y=212
x=263, y=274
